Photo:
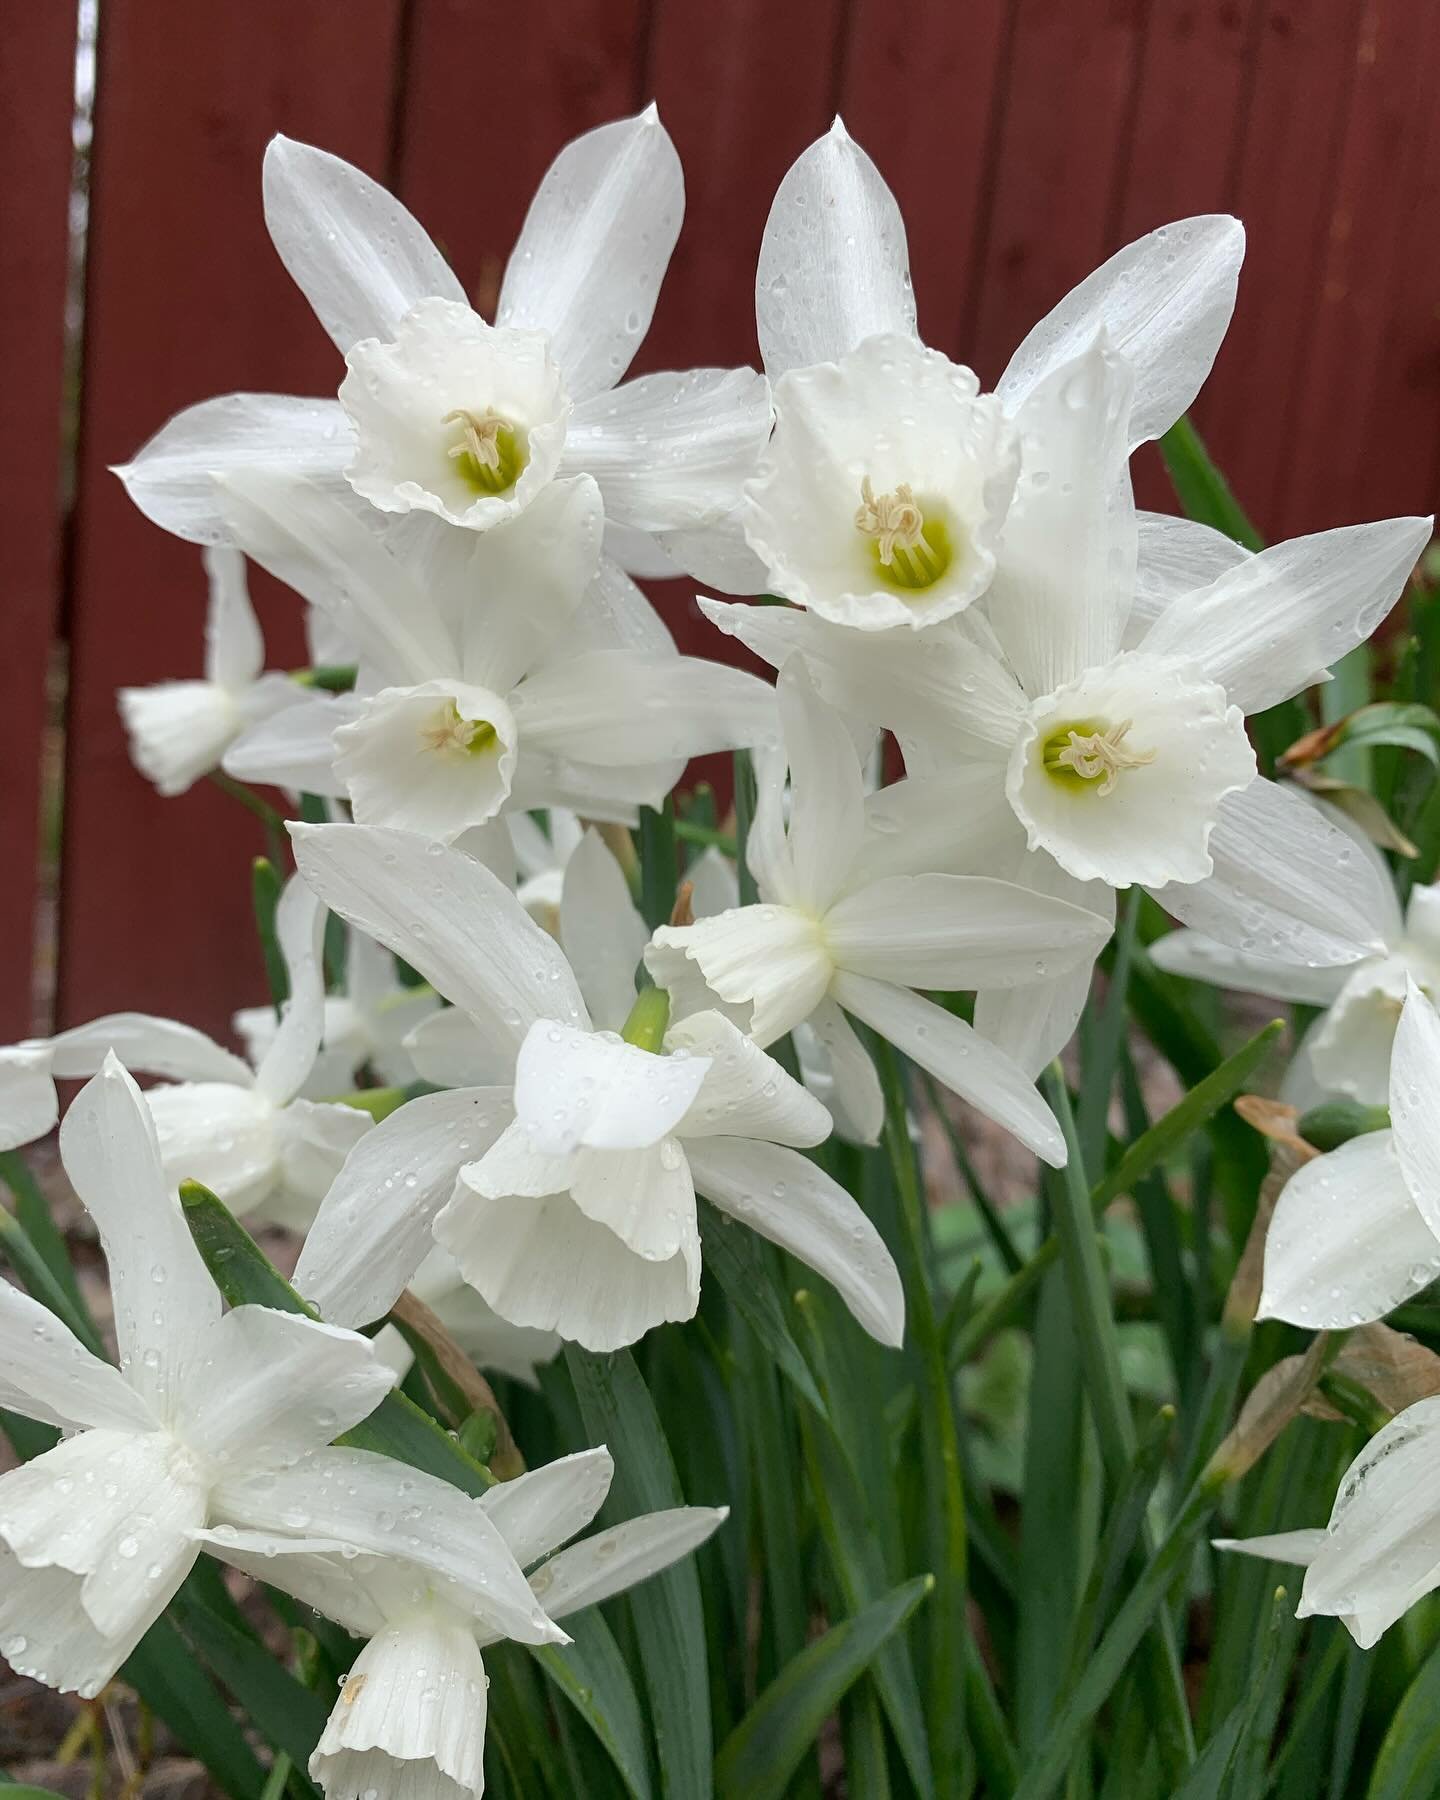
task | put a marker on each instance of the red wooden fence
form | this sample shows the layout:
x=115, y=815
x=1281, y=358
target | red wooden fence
x=1025, y=138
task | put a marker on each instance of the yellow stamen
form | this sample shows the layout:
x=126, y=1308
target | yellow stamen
x=449, y=732
x=491, y=453
x=1093, y=753
x=913, y=552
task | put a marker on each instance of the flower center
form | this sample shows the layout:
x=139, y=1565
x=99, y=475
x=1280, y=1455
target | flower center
x=1086, y=752
x=449, y=733
x=491, y=452
x=913, y=552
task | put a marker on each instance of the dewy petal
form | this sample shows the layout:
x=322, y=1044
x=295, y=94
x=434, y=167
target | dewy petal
x=602, y=933
x=46, y=1373
x=827, y=799
x=1278, y=621
x=788, y=1199
x=234, y=648
x=577, y=1088
x=1176, y=558
x=770, y=956
x=1382, y=1547
x=1347, y=1242
x=593, y=250
x=1415, y=1103
x=542, y=1263
x=372, y=1503
x=618, y=707
x=837, y=1067
x=373, y=1229
x=1063, y=585
x=612, y=1561
x=354, y=251
x=174, y=477
x=958, y=1057
x=891, y=415
x=290, y=1385
x=449, y=917
x=960, y=931
x=1164, y=301
x=671, y=452
x=435, y=760
x=1151, y=821
x=1199, y=958
x=47, y=1636
x=834, y=268
x=221, y=1136
x=314, y=1139
x=163, y=1296
x=545, y=1507
x=745, y=1092
x=410, y=1719
x=1287, y=883
x=300, y=937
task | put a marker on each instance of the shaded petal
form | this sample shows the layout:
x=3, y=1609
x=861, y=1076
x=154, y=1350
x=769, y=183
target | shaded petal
x=354, y=251
x=221, y=1136
x=449, y=1049
x=547, y=1506
x=300, y=937
x=47, y=1636
x=1286, y=884
x=1415, y=1103
x=1176, y=558
x=827, y=802
x=786, y=1198
x=850, y=1089
x=623, y=1557
x=834, y=268
x=1299, y=1548
x=575, y=1088
x=141, y=1041
x=163, y=1296
x=373, y=1228
x=592, y=252
x=671, y=452
x=234, y=648
x=602, y=933
x=174, y=477
x=1276, y=623
x=717, y=554
x=1199, y=958
x=1164, y=301
x=1347, y=1241
x=770, y=956
x=958, y=1057
x=745, y=1093
x=177, y=731
x=449, y=917
x=29, y=1105
x=295, y=749
x=46, y=1373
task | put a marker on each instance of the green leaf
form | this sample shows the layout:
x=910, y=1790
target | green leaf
x=734, y=1258
x=32, y=1209
x=618, y=1411
x=265, y=886
x=1202, y=490
x=591, y=1674
x=770, y=1742
x=659, y=864
x=165, y=1674
x=1410, y=1753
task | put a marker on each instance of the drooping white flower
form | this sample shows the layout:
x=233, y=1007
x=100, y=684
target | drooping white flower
x=489, y=1341
x=1346, y=1052
x=1357, y=1231
x=857, y=910
x=440, y=412
x=882, y=498
x=498, y=669
x=180, y=730
x=98, y=1533
x=242, y=1131
x=580, y=1156
x=365, y=1025
x=1116, y=753
x=410, y=1721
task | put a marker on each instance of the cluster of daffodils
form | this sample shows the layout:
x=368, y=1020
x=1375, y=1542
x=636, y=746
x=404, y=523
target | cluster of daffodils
x=1066, y=678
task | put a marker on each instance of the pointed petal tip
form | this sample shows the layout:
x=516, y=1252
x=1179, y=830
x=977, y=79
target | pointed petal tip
x=650, y=115
x=838, y=131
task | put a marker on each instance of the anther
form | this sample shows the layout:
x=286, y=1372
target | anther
x=1095, y=755
x=480, y=432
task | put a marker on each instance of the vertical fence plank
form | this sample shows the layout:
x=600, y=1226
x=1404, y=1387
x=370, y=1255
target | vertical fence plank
x=37, y=85
x=185, y=298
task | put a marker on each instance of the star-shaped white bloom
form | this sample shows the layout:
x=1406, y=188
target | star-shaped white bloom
x=98, y=1533
x=504, y=669
x=583, y=1223
x=857, y=910
x=180, y=730
x=883, y=497
x=410, y=1720
x=442, y=413
x=242, y=1131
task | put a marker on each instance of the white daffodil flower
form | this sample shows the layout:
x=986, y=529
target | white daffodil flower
x=365, y=1025
x=442, y=413
x=575, y=1210
x=1376, y=1557
x=856, y=911
x=1116, y=754
x=494, y=674
x=410, y=1721
x=242, y=1131
x=180, y=730
x=882, y=499
x=1357, y=1231
x=1346, y=1052
x=98, y=1533
x=540, y=859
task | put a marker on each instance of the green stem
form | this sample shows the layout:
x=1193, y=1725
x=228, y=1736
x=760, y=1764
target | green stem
x=276, y=837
